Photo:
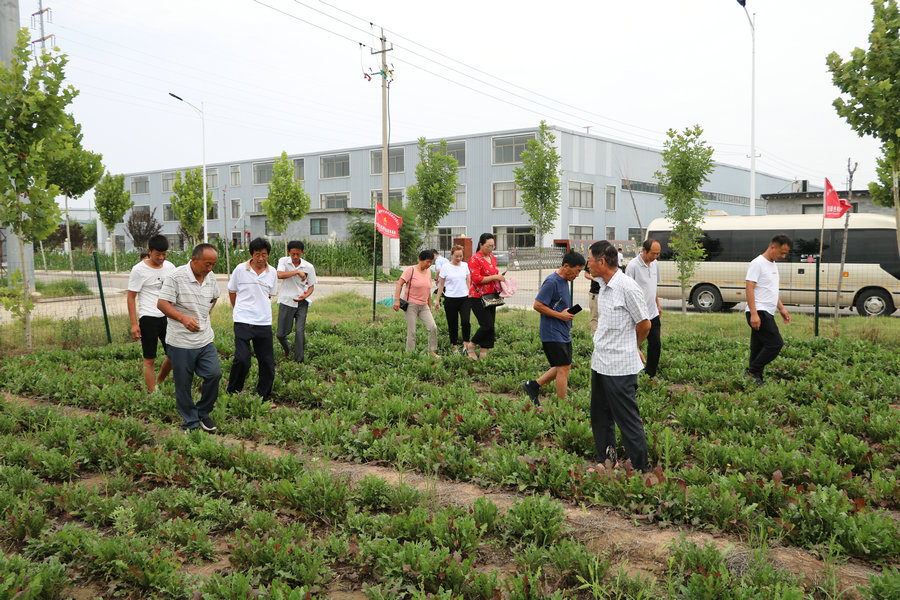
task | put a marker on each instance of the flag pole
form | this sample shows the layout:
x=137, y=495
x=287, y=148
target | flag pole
x=374, y=264
x=819, y=261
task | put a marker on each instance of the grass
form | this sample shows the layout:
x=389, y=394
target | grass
x=63, y=288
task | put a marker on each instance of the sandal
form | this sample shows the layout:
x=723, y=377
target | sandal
x=471, y=354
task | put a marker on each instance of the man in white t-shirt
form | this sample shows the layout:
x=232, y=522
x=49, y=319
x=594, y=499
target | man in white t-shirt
x=762, y=300
x=298, y=281
x=148, y=323
x=644, y=269
x=250, y=288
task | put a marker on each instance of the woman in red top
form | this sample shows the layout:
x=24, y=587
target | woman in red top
x=485, y=280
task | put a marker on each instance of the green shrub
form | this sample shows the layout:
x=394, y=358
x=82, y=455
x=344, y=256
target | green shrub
x=536, y=519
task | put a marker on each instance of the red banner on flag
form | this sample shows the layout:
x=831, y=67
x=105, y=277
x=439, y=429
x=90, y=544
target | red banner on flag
x=386, y=222
x=834, y=207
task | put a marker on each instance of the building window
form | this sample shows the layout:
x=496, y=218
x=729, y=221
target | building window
x=581, y=232
x=140, y=208
x=506, y=195
x=175, y=241
x=168, y=180
x=460, y=203
x=581, y=195
x=335, y=201
x=234, y=175
x=212, y=211
x=509, y=149
x=236, y=238
x=299, y=169
x=517, y=236
x=610, y=233
x=336, y=165
x=445, y=236
x=610, y=197
x=641, y=186
x=318, y=227
x=212, y=178
x=262, y=173
x=140, y=184
x=395, y=161
x=168, y=213
x=634, y=233
x=258, y=204
x=235, y=208
x=455, y=149
x=395, y=199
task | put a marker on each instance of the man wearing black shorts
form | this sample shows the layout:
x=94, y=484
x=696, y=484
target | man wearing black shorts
x=148, y=324
x=553, y=302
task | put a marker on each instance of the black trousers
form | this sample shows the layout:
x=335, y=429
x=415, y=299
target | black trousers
x=457, y=310
x=765, y=344
x=614, y=402
x=485, y=335
x=654, y=347
x=261, y=337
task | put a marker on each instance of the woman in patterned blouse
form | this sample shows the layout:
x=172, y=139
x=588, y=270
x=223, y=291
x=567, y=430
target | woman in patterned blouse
x=485, y=280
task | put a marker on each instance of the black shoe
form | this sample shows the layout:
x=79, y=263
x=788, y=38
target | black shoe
x=756, y=377
x=207, y=424
x=533, y=390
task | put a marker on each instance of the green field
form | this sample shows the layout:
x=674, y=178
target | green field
x=364, y=477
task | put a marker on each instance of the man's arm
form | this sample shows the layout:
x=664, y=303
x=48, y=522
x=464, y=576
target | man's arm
x=545, y=310
x=231, y=296
x=784, y=313
x=750, y=292
x=132, y=314
x=190, y=323
x=642, y=329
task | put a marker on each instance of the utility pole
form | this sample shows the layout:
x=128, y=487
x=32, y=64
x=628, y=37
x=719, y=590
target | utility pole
x=39, y=17
x=837, y=299
x=386, y=258
x=226, y=236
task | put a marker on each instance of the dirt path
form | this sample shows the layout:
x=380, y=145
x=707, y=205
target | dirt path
x=621, y=537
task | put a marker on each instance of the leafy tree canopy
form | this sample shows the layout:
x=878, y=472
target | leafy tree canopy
x=538, y=180
x=287, y=201
x=72, y=168
x=112, y=200
x=434, y=192
x=187, y=201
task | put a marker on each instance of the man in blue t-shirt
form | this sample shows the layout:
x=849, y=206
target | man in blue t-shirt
x=553, y=302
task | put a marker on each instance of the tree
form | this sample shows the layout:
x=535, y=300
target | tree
x=112, y=201
x=362, y=231
x=32, y=110
x=187, y=202
x=75, y=233
x=89, y=235
x=434, y=192
x=287, y=201
x=868, y=81
x=687, y=162
x=74, y=170
x=141, y=226
x=881, y=190
x=538, y=179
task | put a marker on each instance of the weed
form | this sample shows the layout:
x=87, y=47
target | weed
x=536, y=519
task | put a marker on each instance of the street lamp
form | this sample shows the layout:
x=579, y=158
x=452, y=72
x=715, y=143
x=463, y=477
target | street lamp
x=752, y=22
x=203, y=130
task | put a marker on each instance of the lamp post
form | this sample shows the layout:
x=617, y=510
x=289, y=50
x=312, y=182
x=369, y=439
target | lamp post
x=203, y=134
x=752, y=22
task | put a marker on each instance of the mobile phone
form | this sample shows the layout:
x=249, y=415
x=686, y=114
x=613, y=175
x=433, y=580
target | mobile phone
x=504, y=273
x=575, y=309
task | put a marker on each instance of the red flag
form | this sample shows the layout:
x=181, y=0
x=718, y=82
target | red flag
x=386, y=222
x=834, y=207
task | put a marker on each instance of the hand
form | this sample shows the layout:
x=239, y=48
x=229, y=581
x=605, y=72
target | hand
x=785, y=315
x=565, y=316
x=300, y=297
x=136, y=332
x=302, y=275
x=501, y=278
x=190, y=323
x=755, y=321
x=643, y=358
x=396, y=305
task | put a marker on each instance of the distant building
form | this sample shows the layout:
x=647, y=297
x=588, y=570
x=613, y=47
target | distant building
x=804, y=200
x=603, y=183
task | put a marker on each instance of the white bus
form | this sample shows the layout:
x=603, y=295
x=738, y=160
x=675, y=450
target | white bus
x=871, y=277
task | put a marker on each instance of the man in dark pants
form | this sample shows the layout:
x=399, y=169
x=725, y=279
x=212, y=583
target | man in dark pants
x=251, y=285
x=186, y=297
x=616, y=361
x=762, y=300
x=644, y=269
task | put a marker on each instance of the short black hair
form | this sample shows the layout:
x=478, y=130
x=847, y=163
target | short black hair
x=199, y=249
x=606, y=252
x=573, y=259
x=648, y=243
x=258, y=244
x=783, y=240
x=426, y=255
x=484, y=238
x=296, y=245
x=435, y=252
x=160, y=243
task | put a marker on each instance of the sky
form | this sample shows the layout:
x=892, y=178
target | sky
x=289, y=75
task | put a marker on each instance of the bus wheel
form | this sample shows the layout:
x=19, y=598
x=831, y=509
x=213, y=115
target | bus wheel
x=706, y=298
x=874, y=303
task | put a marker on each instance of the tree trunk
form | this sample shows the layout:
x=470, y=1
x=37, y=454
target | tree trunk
x=540, y=257
x=69, y=239
x=26, y=293
x=115, y=257
x=43, y=256
x=683, y=300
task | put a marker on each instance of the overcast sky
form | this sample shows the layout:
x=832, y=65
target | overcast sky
x=288, y=75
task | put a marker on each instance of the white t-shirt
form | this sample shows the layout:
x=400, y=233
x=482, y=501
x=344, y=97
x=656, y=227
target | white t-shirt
x=292, y=287
x=764, y=273
x=455, y=280
x=647, y=278
x=251, y=304
x=147, y=281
